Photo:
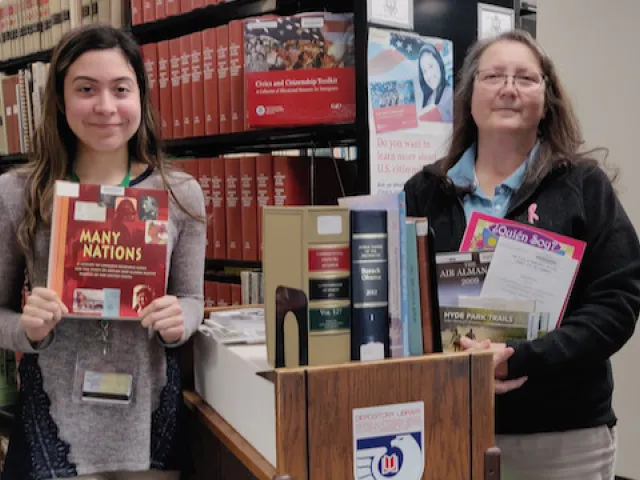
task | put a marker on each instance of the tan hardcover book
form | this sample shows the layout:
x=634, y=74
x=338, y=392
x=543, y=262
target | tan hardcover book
x=28, y=32
x=306, y=274
x=13, y=27
x=4, y=42
x=55, y=14
x=104, y=11
x=19, y=9
x=116, y=13
x=87, y=15
x=66, y=15
x=75, y=13
x=46, y=40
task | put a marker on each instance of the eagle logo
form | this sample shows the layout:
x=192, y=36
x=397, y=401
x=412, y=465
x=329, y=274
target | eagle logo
x=397, y=457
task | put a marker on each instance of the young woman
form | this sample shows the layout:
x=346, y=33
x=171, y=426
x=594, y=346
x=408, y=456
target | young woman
x=436, y=91
x=98, y=127
x=515, y=154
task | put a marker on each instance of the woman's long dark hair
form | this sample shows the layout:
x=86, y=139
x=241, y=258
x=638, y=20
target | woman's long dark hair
x=55, y=144
x=429, y=49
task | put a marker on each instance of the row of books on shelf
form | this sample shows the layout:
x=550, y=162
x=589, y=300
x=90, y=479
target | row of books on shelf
x=364, y=282
x=222, y=294
x=237, y=187
x=260, y=72
x=145, y=11
x=255, y=73
x=30, y=26
x=21, y=97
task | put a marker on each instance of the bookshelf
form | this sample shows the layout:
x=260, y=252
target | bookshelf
x=12, y=159
x=264, y=140
x=223, y=13
x=12, y=65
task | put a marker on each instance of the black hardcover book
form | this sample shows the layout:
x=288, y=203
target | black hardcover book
x=369, y=285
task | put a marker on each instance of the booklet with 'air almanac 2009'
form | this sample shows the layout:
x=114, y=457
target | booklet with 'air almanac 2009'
x=108, y=248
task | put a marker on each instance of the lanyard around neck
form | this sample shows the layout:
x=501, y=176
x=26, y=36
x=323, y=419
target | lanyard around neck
x=125, y=181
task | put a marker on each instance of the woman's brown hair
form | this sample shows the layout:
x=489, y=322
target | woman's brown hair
x=559, y=130
x=54, y=144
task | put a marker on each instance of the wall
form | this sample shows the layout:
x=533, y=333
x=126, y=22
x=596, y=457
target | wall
x=594, y=45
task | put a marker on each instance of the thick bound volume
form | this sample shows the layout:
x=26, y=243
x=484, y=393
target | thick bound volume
x=306, y=274
x=369, y=285
x=108, y=249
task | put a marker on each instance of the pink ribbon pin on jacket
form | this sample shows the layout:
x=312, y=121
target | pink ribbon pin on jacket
x=533, y=216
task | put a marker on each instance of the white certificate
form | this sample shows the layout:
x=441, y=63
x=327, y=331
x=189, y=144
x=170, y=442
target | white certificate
x=392, y=13
x=524, y=272
x=494, y=20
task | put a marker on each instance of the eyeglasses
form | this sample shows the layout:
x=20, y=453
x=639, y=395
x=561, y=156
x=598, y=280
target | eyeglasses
x=526, y=82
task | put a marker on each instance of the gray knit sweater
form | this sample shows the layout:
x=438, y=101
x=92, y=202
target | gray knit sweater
x=58, y=435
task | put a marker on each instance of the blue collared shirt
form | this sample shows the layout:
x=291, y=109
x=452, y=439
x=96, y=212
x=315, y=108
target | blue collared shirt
x=463, y=174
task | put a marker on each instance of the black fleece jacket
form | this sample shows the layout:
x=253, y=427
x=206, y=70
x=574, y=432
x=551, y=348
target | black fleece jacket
x=570, y=382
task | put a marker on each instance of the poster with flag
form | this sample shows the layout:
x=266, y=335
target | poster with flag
x=410, y=104
x=299, y=69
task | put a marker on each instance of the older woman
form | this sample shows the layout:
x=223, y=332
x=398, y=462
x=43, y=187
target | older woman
x=515, y=154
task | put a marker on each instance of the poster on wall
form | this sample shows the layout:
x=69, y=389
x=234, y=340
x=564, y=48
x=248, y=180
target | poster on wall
x=410, y=104
x=391, y=13
x=494, y=20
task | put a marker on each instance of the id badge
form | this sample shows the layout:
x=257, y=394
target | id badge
x=103, y=376
x=107, y=387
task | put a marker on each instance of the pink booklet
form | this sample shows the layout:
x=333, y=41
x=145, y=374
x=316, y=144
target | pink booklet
x=483, y=232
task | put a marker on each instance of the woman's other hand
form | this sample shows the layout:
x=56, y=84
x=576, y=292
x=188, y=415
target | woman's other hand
x=164, y=315
x=42, y=311
x=501, y=353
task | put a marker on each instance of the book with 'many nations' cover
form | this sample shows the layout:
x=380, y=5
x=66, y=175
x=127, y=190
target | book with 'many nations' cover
x=108, y=249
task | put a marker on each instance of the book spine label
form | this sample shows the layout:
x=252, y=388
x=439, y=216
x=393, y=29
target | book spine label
x=329, y=304
x=224, y=80
x=197, y=85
